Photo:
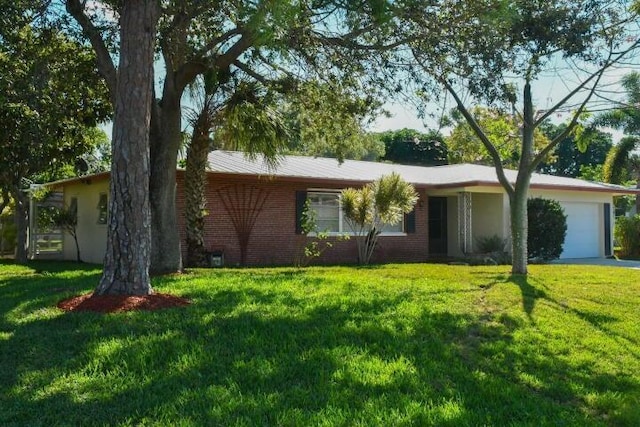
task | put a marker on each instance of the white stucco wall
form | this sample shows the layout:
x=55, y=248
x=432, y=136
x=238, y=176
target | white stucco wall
x=92, y=237
x=491, y=215
x=488, y=215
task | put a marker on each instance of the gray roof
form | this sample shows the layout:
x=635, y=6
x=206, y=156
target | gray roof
x=327, y=169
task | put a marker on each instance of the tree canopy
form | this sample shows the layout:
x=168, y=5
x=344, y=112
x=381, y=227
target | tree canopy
x=572, y=156
x=411, y=147
x=503, y=130
x=50, y=99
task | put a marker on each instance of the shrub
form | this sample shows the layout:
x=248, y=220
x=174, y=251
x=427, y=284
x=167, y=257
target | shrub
x=547, y=229
x=627, y=234
x=488, y=244
x=494, y=247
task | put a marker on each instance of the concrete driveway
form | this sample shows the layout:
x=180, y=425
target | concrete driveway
x=612, y=262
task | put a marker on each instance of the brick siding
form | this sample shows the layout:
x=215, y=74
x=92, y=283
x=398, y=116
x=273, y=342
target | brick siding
x=273, y=240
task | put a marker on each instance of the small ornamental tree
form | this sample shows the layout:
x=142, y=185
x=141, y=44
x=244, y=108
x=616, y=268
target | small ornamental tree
x=319, y=239
x=66, y=219
x=547, y=226
x=367, y=210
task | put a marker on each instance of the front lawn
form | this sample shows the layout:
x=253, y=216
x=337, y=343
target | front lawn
x=387, y=345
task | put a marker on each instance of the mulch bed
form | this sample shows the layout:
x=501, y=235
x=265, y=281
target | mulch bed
x=117, y=303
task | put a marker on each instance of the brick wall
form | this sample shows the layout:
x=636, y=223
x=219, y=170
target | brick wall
x=273, y=240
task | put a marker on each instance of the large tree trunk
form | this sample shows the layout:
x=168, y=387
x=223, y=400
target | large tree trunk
x=165, y=141
x=194, y=190
x=126, y=262
x=22, y=224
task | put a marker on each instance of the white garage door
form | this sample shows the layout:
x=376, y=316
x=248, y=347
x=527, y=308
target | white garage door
x=583, y=230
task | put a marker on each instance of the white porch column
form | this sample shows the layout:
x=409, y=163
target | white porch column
x=465, y=235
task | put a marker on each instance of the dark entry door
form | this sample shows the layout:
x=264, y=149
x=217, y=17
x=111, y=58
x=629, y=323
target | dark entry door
x=437, y=225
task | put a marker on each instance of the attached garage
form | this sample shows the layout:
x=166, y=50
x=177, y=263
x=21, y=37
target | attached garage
x=584, y=230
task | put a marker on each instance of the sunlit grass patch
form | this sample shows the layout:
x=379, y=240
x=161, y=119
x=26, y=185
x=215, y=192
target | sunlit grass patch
x=383, y=345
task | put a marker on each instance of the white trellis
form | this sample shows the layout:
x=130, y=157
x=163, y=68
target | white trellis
x=464, y=222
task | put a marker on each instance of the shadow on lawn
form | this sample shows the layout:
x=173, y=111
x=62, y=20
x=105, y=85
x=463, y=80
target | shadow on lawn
x=530, y=294
x=255, y=357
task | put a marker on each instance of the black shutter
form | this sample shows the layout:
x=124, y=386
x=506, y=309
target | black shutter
x=410, y=222
x=301, y=199
x=607, y=230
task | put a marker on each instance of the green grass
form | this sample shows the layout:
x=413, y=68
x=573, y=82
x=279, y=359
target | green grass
x=388, y=345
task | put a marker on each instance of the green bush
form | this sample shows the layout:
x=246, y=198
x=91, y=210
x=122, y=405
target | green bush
x=488, y=244
x=547, y=229
x=627, y=234
x=7, y=234
x=494, y=248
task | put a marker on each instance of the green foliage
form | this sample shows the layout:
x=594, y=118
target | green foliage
x=621, y=164
x=369, y=208
x=493, y=249
x=252, y=123
x=316, y=241
x=617, y=168
x=395, y=345
x=488, y=244
x=547, y=225
x=627, y=235
x=8, y=232
x=502, y=130
x=66, y=218
x=410, y=147
x=50, y=95
x=329, y=120
x=574, y=154
x=592, y=173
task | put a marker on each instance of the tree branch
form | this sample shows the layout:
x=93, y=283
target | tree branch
x=495, y=156
x=581, y=86
x=188, y=71
x=576, y=116
x=345, y=41
x=220, y=39
x=106, y=66
x=257, y=76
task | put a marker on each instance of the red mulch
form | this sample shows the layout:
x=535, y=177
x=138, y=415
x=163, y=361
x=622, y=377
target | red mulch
x=116, y=303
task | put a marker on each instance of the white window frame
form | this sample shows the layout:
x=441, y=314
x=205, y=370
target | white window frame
x=342, y=225
x=100, y=207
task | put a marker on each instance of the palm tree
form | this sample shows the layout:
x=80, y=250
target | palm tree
x=232, y=114
x=368, y=209
x=625, y=117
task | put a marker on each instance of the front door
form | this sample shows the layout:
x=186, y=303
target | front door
x=437, y=225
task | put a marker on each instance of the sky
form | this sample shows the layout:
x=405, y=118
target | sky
x=547, y=91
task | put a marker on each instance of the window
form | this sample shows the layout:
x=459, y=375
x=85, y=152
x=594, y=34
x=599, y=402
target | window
x=327, y=208
x=329, y=215
x=73, y=208
x=102, y=208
